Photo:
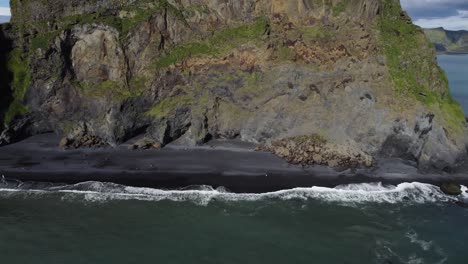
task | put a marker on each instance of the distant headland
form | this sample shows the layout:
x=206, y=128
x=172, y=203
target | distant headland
x=447, y=41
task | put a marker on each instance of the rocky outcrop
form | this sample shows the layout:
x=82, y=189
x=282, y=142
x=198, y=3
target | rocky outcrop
x=451, y=188
x=315, y=150
x=84, y=141
x=357, y=72
x=146, y=143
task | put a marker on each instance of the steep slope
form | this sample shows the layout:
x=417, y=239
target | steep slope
x=447, y=40
x=356, y=73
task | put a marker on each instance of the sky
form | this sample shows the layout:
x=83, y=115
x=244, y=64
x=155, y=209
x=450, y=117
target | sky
x=450, y=14
x=4, y=8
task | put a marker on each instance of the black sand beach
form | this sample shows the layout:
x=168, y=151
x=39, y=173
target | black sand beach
x=233, y=165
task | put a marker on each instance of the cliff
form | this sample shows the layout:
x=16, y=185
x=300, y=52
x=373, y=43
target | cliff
x=448, y=41
x=356, y=74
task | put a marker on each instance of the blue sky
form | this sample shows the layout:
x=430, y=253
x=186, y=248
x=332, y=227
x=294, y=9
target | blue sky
x=450, y=14
x=4, y=10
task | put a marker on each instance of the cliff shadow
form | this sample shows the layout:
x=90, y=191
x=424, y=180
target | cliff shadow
x=6, y=76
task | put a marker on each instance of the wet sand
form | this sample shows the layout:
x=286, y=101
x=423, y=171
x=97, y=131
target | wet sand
x=230, y=164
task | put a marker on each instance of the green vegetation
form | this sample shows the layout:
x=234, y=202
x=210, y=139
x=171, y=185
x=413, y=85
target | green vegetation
x=42, y=41
x=18, y=66
x=112, y=90
x=314, y=32
x=130, y=17
x=165, y=107
x=403, y=42
x=448, y=41
x=221, y=42
x=411, y=63
x=185, y=51
x=339, y=8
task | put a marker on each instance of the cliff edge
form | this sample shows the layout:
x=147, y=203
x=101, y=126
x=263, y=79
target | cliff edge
x=353, y=80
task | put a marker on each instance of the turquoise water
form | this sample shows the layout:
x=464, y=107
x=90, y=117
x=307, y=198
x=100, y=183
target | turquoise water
x=105, y=223
x=456, y=67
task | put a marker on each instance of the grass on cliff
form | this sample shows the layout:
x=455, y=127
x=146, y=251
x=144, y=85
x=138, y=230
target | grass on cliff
x=339, y=8
x=165, y=107
x=221, y=42
x=113, y=90
x=18, y=66
x=413, y=67
x=135, y=14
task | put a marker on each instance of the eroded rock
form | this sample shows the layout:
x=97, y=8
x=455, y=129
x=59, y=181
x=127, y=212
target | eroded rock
x=145, y=144
x=315, y=150
x=97, y=55
x=83, y=141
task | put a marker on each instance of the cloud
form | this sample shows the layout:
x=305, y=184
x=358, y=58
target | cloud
x=450, y=23
x=450, y=14
x=5, y=11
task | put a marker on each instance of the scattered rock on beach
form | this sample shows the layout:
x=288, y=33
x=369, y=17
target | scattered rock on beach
x=314, y=149
x=451, y=188
x=64, y=143
x=146, y=143
x=83, y=141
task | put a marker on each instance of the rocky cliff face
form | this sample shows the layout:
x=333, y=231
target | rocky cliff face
x=358, y=73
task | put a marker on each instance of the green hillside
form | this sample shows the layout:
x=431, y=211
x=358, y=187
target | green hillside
x=448, y=41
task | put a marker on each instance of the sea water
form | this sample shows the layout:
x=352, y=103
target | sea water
x=456, y=67
x=104, y=223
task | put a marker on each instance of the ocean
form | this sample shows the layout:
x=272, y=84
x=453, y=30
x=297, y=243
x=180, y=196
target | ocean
x=456, y=67
x=105, y=223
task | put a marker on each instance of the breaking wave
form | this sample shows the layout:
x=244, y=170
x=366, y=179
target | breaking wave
x=353, y=193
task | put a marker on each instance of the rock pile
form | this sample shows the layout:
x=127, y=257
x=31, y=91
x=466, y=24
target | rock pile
x=146, y=143
x=84, y=141
x=315, y=150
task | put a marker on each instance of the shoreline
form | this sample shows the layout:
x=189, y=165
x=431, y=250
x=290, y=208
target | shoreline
x=452, y=53
x=233, y=165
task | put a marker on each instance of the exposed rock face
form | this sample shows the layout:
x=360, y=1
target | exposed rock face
x=357, y=72
x=97, y=56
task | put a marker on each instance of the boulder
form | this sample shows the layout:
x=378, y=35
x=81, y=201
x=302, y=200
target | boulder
x=81, y=141
x=451, y=188
x=145, y=144
x=64, y=143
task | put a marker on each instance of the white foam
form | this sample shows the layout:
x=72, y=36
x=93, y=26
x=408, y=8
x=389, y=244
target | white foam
x=464, y=192
x=351, y=194
x=413, y=237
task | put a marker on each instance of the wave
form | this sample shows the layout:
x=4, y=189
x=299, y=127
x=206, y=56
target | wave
x=352, y=193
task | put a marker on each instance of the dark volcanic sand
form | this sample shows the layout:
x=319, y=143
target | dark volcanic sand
x=233, y=165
